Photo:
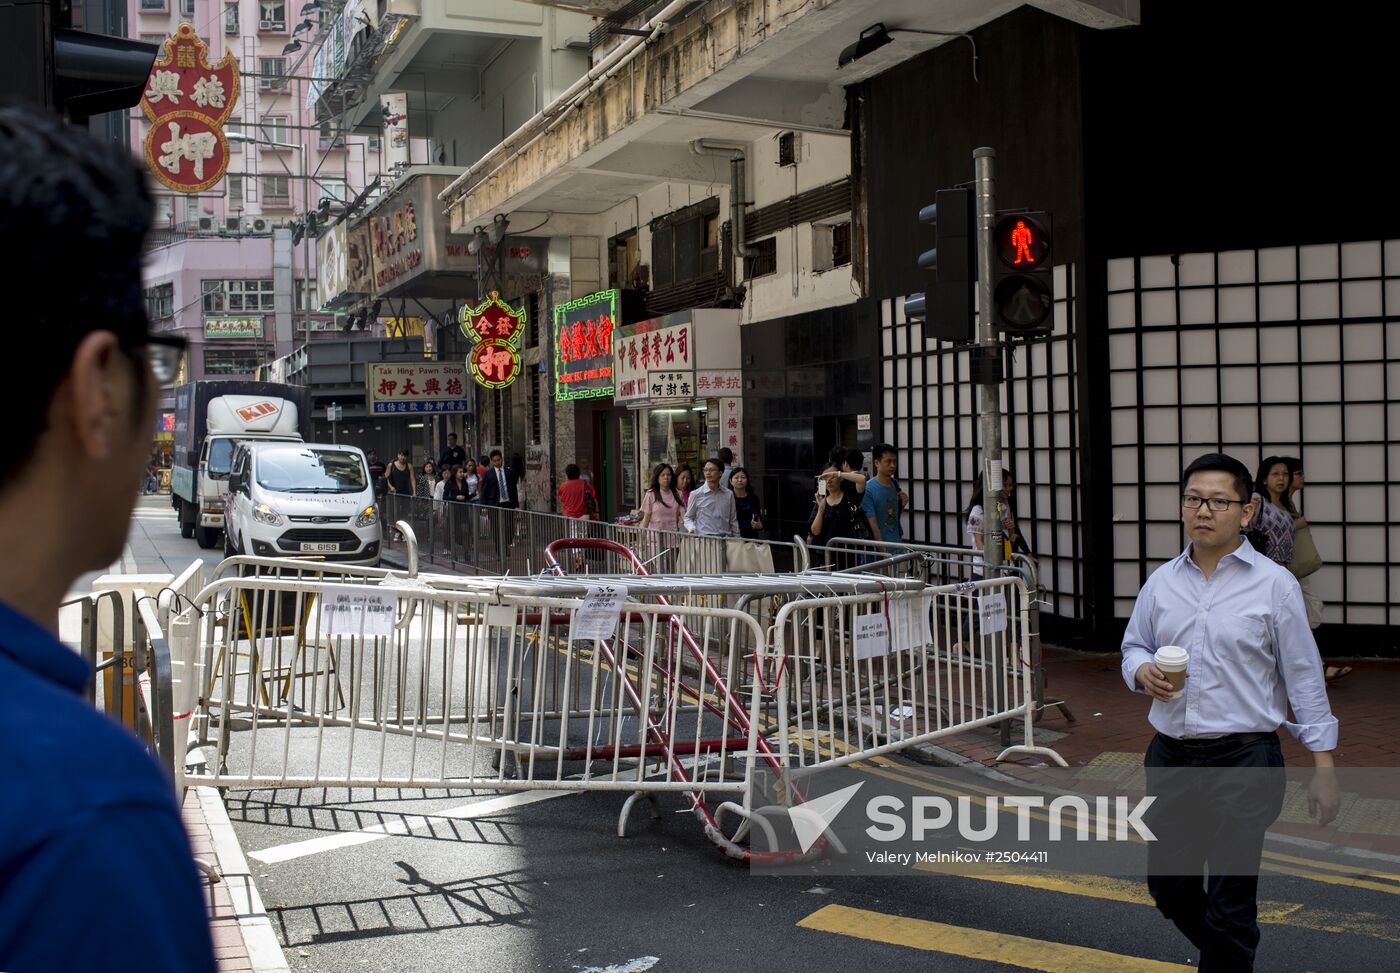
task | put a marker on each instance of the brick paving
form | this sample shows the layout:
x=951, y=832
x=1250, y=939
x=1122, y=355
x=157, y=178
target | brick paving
x=229, y=947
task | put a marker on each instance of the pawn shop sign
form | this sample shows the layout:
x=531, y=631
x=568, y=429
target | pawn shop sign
x=187, y=102
x=494, y=327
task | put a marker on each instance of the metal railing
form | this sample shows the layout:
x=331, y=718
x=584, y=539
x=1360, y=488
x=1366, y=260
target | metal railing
x=497, y=541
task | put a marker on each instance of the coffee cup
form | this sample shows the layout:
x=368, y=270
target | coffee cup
x=1171, y=662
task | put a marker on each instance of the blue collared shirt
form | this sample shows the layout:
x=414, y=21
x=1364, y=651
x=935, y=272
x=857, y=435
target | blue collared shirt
x=711, y=513
x=95, y=868
x=1251, y=650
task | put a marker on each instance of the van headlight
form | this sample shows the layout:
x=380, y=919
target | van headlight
x=367, y=518
x=264, y=514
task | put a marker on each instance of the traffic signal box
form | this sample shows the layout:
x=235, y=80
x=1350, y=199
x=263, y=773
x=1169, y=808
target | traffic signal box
x=1023, y=283
x=948, y=301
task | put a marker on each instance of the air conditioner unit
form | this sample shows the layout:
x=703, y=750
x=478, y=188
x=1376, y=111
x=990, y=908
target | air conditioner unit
x=206, y=223
x=789, y=149
x=264, y=25
x=255, y=226
x=231, y=223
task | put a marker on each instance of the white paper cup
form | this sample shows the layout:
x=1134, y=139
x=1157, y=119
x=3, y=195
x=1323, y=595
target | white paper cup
x=1172, y=661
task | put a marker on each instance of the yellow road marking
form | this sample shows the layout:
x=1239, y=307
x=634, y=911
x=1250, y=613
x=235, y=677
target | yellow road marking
x=1329, y=866
x=1293, y=914
x=939, y=937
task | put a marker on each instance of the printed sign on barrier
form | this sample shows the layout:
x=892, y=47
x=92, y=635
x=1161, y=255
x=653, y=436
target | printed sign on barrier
x=597, y=617
x=872, y=635
x=991, y=612
x=357, y=610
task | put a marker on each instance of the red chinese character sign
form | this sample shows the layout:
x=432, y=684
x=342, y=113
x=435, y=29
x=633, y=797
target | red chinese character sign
x=583, y=346
x=494, y=327
x=187, y=102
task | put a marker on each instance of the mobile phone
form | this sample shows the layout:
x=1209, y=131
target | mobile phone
x=821, y=486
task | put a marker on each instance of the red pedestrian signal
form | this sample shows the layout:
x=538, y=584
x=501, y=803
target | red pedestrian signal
x=1023, y=284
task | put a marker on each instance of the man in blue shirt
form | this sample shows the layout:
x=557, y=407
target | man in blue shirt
x=1215, y=764
x=883, y=499
x=95, y=867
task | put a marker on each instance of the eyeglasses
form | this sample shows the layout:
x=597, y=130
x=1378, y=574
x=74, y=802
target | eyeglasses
x=165, y=354
x=1218, y=504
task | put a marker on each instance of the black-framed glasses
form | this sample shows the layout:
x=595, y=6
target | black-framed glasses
x=1218, y=504
x=165, y=352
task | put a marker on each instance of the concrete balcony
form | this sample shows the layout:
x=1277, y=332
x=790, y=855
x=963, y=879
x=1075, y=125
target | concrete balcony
x=730, y=71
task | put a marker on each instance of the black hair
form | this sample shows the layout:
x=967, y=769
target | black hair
x=713, y=459
x=881, y=450
x=976, y=499
x=571, y=471
x=497, y=452
x=1221, y=463
x=66, y=199
x=1261, y=485
x=451, y=435
x=655, y=487
x=837, y=456
x=855, y=459
x=735, y=472
x=726, y=456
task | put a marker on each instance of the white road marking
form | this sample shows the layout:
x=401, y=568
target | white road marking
x=637, y=965
x=405, y=825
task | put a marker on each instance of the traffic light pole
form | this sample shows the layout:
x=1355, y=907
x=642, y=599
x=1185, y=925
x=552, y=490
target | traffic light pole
x=990, y=368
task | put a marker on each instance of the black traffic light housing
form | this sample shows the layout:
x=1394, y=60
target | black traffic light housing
x=1023, y=280
x=948, y=301
x=69, y=71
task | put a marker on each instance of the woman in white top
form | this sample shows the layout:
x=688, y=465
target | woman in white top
x=976, y=525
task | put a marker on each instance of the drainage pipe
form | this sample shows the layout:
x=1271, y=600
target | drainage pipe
x=734, y=152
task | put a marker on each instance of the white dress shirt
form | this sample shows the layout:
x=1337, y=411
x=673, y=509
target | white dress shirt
x=1251, y=650
x=711, y=513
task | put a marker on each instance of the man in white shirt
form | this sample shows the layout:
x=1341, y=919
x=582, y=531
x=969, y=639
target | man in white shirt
x=711, y=511
x=1241, y=619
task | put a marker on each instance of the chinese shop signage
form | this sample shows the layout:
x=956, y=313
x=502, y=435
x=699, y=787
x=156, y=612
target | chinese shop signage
x=399, y=387
x=731, y=424
x=233, y=327
x=583, y=346
x=187, y=102
x=494, y=328
x=655, y=364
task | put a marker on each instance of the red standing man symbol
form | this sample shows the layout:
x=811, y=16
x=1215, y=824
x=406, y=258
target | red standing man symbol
x=1021, y=240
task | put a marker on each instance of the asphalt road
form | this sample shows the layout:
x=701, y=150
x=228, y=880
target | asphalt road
x=428, y=881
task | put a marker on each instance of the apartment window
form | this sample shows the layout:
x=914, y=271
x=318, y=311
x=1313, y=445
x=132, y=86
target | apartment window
x=230, y=361
x=272, y=71
x=234, y=189
x=230, y=18
x=187, y=8
x=272, y=15
x=160, y=302
x=831, y=245
x=306, y=295
x=622, y=259
x=532, y=321
x=685, y=244
x=275, y=128
x=765, y=261
x=152, y=38
x=222, y=296
x=333, y=187
x=276, y=191
x=331, y=136
x=154, y=6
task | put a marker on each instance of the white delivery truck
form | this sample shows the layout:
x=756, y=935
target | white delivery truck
x=211, y=418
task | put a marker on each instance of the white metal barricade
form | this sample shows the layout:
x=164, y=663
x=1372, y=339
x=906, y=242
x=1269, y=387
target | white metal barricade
x=860, y=675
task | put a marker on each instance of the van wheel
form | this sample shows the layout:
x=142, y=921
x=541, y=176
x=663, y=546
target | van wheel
x=206, y=537
x=229, y=549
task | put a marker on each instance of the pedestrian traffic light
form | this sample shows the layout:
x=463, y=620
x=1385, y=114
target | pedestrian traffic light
x=1023, y=283
x=946, y=305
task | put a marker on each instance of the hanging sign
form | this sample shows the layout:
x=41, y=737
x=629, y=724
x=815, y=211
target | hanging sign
x=494, y=328
x=187, y=102
x=583, y=346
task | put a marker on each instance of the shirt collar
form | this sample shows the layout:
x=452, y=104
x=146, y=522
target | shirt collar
x=1244, y=552
x=36, y=649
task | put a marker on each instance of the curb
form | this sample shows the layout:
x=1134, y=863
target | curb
x=264, y=952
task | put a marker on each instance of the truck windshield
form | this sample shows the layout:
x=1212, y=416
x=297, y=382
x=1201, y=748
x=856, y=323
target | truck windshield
x=301, y=470
x=220, y=455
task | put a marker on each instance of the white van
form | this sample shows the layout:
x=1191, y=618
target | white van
x=295, y=499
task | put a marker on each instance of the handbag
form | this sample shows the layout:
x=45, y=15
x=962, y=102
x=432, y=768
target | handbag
x=748, y=557
x=590, y=504
x=1306, y=559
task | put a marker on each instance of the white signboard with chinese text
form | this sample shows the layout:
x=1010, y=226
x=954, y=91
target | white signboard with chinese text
x=731, y=425
x=411, y=387
x=642, y=357
x=597, y=617
x=358, y=610
x=713, y=382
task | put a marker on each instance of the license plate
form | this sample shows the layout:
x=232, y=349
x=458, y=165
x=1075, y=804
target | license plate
x=308, y=548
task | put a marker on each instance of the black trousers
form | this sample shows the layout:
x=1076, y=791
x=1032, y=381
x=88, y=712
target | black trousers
x=1215, y=800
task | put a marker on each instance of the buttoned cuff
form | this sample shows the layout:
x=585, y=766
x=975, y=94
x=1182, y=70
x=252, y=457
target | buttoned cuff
x=1315, y=736
x=1132, y=661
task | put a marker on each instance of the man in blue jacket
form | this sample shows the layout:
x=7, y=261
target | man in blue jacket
x=95, y=868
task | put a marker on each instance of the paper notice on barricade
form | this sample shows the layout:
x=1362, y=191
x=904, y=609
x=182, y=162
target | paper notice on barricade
x=357, y=610
x=597, y=617
x=872, y=636
x=991, y=612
